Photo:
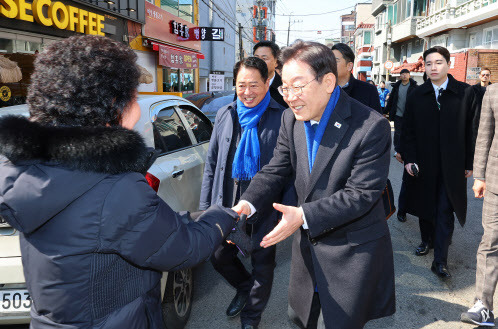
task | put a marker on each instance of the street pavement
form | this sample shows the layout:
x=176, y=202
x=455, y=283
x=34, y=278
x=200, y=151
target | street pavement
x=423, y=300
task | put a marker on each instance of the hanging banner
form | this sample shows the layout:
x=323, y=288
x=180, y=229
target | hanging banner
x=177, y=59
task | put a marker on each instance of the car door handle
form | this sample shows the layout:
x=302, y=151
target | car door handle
x=177, y=173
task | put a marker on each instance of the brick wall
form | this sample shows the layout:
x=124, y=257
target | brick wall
x=459, y=63
x=489, y=58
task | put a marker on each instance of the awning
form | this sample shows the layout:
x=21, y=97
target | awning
x=176, y=57
x=9, y=71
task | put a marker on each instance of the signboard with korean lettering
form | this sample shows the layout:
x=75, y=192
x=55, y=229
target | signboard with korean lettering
x=177, y=59
x=216, y=82
x=186, y=33
x=473, y=73
x=158, y=25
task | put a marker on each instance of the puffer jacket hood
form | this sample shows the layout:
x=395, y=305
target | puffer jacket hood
x=68, y=155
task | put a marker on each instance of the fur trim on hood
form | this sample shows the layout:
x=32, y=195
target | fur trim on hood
x=109, y=150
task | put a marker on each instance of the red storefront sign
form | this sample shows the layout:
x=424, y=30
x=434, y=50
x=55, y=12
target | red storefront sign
x=158, y=26
x=175, y=58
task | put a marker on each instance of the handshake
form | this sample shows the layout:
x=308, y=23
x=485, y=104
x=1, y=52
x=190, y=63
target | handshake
x=239, y=237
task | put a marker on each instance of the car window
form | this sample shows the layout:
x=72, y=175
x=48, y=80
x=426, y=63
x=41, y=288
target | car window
x=201, y=126
x=169, y=132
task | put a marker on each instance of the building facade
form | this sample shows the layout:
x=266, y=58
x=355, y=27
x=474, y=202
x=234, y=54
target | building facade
x=348, y=27
x=26, y=28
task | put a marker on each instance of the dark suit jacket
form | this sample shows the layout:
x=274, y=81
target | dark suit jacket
x=392, y=102
x=277, y=82
x=347, y=251
x=363, y=92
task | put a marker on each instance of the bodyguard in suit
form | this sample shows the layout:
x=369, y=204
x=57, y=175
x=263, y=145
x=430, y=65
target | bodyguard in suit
x=357, y=89
x=437, y=139
x=269, y=51
x=336, y=151
x=243, y=139
x=486, y=185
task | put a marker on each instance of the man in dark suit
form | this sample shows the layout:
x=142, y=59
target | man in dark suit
x=269, y=51
x=249, y=124
x=359, y=90
x=396, y=107
x=437, y=139
x=336, y=151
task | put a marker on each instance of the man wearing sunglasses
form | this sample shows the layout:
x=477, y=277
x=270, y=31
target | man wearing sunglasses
x=336, y=151
x=475, y=94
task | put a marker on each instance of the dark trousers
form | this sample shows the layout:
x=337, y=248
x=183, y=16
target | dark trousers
x=398, y=123
x=257, y=284
x=402, y=198
x=315, y=320
x=439, y=231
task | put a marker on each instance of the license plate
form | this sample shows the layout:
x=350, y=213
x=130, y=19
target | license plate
x=15, y=301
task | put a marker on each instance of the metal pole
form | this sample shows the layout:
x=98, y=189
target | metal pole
x=241, y=49
x=288, y=32
x=389, y=40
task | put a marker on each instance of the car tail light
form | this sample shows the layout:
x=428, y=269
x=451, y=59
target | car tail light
x=153, y=181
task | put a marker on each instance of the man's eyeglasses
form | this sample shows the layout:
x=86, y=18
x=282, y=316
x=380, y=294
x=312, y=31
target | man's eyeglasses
x=485, y=75
x=296, y=91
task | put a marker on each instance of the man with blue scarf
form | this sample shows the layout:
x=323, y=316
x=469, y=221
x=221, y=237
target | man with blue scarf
x=336, y=152
x=244, y=137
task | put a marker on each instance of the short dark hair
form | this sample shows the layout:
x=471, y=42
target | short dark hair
x=440, y=50
x=485, y=69
x=319, y=57
x=275, y=49
x=83, y=80
x=254, y=63
x=383, y=82
x=345, y=50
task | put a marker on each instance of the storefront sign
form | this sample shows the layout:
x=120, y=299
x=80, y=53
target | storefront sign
x=216, y=82
x=473, y=73
x=56, y=14
x=159, y=26
x=177, y=59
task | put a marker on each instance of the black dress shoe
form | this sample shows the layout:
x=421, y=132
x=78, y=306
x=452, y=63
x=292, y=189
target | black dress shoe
x=440, y=270
x=423, y=249
x=237, y=304
x=248, y=326
x=401, y=217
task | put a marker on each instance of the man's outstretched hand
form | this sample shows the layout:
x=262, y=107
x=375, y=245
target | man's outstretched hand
x=292, y=219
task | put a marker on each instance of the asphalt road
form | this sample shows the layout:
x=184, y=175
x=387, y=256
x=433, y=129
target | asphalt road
x=423, y=300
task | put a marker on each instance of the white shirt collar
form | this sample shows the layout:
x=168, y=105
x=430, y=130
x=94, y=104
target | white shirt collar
x=313, y=122
x=271, y=80
x=443, y=86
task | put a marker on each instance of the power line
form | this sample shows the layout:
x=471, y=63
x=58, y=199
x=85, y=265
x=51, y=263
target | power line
x=318, y=14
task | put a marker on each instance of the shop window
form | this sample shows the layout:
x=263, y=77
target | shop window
x=200, y=125
x=170, y=80
x=29, y=47
x=7, y=45
x=188, y=82
x=169, y=132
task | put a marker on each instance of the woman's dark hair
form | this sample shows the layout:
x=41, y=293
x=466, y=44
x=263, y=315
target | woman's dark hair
x=254, y=63
x=319, y=57
x=83, y=81
x=383, y=82
x=275, y=49
x=345, y=50
x=438, y=49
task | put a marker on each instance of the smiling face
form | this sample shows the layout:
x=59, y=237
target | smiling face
x=250, y=87
x=315, y=95
x=436, y=68
x=266, y=54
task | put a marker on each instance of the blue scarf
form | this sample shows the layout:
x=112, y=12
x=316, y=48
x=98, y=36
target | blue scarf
x=246, y=160
x=313, y=139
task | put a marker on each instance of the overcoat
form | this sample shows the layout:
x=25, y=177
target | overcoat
x=274, y=93
x=347, y=252
x=212, y=190
x=94, y=235
x=441, y=143
x=363, y=92
x=392, y=102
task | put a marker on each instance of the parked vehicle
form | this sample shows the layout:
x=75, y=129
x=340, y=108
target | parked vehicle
x=181, y=133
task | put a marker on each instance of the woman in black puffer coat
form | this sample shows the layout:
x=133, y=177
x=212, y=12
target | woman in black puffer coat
x=94, y=236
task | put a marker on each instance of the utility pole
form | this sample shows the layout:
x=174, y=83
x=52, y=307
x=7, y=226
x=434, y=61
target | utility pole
x=389, y=40
x=241, y=49
x=288, y=32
